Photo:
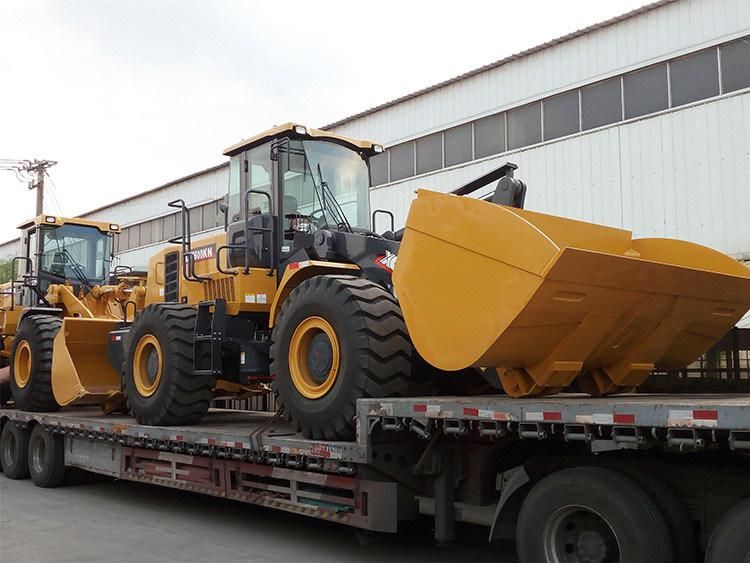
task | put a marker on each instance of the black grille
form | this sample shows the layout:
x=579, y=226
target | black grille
x=172, y=277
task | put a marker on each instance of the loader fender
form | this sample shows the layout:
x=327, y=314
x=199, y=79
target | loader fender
x=297, y=272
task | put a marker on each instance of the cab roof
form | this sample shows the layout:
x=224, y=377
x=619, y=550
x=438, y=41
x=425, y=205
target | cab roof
x=59, y=221
x=298, y=131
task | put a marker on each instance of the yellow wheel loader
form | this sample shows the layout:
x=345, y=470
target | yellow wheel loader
x=56, y=318
x=302, y=292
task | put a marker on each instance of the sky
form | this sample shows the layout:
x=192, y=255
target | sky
x=129, y=94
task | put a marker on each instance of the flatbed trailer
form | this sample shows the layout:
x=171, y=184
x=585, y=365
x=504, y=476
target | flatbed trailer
x=457, y=459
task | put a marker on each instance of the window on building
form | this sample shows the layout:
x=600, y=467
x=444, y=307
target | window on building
x=145, y=229
x=196, y=220
x=489, y=135
x=646, y=91
x=157, y=230
x=379, y=169
x=735, y=65
x=457, y=144
x=561, y=115
x=601, y=104
x=134, y=236
x=429, y=153
x=525, y=125
x=170, y=226
x=694, y=77
x=402, y=161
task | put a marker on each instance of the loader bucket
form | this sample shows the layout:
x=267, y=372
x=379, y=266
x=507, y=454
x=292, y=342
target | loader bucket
x=546, y=300
x=81, y=372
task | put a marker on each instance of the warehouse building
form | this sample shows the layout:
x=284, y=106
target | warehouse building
x=641, y=122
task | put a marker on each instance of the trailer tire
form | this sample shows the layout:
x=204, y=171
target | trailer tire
x=337, y=339
x=672, y=508
x=14, y=447
x=46, y=459
x=730, y=538
x=31, y=364
x=593, y=512
x=160, y=385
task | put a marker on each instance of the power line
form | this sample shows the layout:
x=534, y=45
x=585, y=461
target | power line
x=32, y=172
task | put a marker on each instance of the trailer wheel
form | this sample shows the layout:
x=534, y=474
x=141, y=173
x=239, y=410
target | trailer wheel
x=591, y=514
x=672, y=509
x=14, y=447
x=160, y=384
x=46, y=458
x=31, y=364
x=337, y=339
x=730, y=539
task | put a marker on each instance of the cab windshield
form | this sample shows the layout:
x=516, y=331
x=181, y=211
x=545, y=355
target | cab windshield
x=75, y=252
x=327, y=184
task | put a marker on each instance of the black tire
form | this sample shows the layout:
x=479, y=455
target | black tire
x=46, y=459
x=179, y=397
x=672, y=509
x=730, y=538
x=374, y=358
x=14, y=447
x=34, y=339
x=590, y=513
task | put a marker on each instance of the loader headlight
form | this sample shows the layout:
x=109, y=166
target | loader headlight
x=377, y=148
x=300, y=129
x=114, y=227
x=49, y=219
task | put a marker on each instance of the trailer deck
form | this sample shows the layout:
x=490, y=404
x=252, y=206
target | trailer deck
x=257, y=457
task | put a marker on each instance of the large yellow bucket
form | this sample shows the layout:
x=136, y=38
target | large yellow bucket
x=81, y=372
x=546, y=299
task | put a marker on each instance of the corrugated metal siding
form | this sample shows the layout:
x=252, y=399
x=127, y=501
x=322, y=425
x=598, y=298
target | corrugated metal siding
x=138, y=258
x=660, y=33
x=681, y=174
x=195, y=190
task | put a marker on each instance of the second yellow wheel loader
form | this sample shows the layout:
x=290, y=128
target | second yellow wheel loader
x=302, y=292
x=56, y=319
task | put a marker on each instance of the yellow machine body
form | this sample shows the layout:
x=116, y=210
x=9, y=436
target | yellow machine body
x=546, y=300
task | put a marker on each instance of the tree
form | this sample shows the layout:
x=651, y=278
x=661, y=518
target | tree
x=5, y=270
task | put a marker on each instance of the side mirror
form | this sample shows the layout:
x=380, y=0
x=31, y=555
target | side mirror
x=224, y=208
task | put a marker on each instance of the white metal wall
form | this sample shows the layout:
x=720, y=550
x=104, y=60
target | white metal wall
x=683, y=173
x=661, y=33
x=194, y=190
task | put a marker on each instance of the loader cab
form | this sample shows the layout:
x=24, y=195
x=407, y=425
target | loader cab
x=290, y=183
x=56, y=250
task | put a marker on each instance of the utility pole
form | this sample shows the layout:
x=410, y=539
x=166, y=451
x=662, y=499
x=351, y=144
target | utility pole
x=32, y=172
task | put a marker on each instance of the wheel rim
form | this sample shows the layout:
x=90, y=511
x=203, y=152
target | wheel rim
x=38, y=454
x=147, y=365
x=22, y=364
x=578, y=534
x=314, y=357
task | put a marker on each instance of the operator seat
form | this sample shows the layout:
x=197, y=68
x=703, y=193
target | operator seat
x=58, y=264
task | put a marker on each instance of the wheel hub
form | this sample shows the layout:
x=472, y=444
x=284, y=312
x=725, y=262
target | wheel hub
x=22, y=364
x=314, y=357
x=147, y=365
x=320, y=357
x=580, y=535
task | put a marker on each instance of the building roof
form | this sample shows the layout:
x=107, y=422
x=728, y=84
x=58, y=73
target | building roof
x=583, y=31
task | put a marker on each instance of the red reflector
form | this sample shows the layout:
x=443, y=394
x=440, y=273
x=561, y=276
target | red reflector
x=420, y=408
x=706, y=415
x=552, y=416
x=623, y=418
x=468, y=411
x=293, y=266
